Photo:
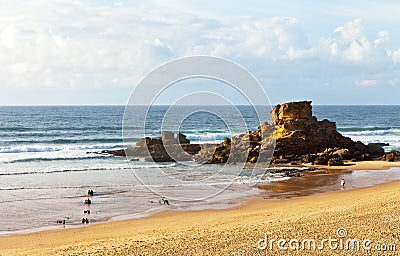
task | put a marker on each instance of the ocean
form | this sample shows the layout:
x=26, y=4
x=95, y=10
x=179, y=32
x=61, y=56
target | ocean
x=46, y=164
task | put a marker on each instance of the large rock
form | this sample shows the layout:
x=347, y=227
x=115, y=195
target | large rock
x=299, y=137
x=300, y=133
x=294, y=137
x=291, y=110
x=375, y=150
x=167, y=148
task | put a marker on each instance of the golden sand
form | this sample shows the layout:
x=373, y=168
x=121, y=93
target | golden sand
x=367, y=213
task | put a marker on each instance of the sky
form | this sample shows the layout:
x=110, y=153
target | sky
x=96, y=52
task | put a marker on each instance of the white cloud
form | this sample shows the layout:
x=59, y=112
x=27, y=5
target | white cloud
x=383, y=37
x=367, y=82
x=349, y=42
x=395, y=55
x=74, y=44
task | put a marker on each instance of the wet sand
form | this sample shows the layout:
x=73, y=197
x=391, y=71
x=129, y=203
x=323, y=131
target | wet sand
x=370, y=212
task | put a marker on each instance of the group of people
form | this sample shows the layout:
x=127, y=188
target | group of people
x=161, y=201
x=61, y=222
x=88, y=202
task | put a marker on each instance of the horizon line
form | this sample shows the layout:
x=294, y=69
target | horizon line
x=142, y=105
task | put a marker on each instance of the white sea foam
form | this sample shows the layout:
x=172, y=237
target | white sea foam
x=53, y=148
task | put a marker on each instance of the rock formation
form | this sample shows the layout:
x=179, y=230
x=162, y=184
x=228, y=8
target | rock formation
x=294, y=137
x=299, y=138
x=300, y=133
x=167, y=148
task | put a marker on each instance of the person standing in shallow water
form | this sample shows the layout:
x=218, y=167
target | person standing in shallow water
x=342, y=183
x=90, y=192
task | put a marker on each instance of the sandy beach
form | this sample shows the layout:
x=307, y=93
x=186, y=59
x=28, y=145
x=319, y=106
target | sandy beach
x=364, y=213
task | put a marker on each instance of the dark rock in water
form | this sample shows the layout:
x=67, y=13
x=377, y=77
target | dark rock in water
x=166, y=148
x=182, y=139
x=375, y=150
x=115, y=152
x=378, y=144
x=360, y=147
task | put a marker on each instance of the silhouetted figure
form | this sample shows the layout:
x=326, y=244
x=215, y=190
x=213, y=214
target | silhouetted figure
x=87, y=221
x=88, y=201
x=90, y=192
x=83, y=221
x=166, y=201
x=86, y=211
x=342, y=182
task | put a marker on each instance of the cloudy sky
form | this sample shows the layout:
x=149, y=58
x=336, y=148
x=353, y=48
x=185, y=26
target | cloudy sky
x=95, y=52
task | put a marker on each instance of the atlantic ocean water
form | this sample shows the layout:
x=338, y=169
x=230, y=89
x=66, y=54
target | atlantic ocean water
x=47, y=164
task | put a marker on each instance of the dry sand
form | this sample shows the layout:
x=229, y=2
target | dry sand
x=367, y=213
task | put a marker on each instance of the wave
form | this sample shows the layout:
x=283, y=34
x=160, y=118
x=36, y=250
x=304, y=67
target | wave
x=16, y=128
x=70, y=128
x=70, y=141
x=208, y=136
x=201, y=131
x=91, y=169
x=365, y=128
x=44, y=148
x=138, y=166
x=260, y=179
x=44, y=159
x=58, y=171
x=371, y=132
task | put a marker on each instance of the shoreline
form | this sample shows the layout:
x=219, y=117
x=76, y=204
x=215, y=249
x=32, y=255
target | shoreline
x=312, y=182
x=18, y=243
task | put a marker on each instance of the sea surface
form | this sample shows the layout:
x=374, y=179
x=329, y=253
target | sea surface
x=47, y=164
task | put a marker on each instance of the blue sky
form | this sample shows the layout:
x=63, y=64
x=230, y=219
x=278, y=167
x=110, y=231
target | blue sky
x=95, y=52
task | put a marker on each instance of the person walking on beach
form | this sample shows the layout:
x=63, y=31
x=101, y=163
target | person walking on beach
x=342, y=183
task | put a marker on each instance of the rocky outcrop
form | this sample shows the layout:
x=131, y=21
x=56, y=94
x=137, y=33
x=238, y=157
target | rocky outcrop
x=298, y=138
x=249, y=147
x=294, y=137
x=167, y=148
